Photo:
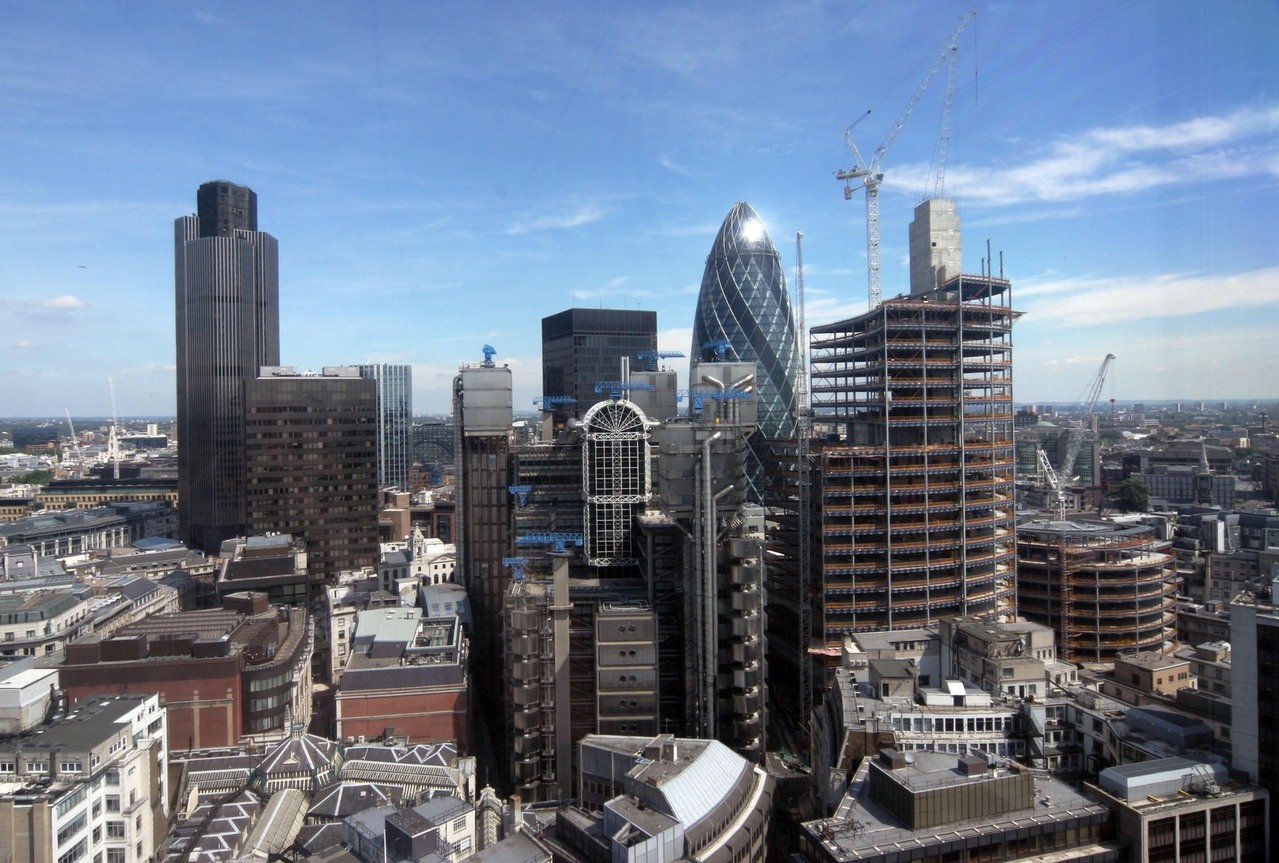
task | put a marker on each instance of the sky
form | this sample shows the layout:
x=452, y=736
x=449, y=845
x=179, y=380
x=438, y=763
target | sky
x=440, y=176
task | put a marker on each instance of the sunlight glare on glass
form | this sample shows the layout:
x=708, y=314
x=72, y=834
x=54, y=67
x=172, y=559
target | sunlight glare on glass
x=752, y=230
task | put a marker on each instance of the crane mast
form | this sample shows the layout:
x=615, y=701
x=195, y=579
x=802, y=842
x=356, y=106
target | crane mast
x=75, y=445
x=869, y=176
x=113, y=444
x=1076, y=439
x=803, y=428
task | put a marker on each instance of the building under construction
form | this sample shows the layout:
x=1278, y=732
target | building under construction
x=1105, y=588
x=916, y=467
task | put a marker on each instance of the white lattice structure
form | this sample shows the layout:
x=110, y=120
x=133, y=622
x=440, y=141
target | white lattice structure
x=616, y=479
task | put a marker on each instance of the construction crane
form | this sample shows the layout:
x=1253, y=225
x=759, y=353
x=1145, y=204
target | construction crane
x=803, y=431
x=547, y=402
x=869, y=176
x=558, y=540
x=1054, y=482
x=718, y=347
x=650, y=358
x=616, y=388
x=113, y=444
x=75, y=445
x=521, y=493
x=1076, y=436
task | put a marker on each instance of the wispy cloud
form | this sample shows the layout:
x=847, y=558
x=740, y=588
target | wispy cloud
x=584, y=215
x=1084, y=301
x=671, y=165
x=66, y=301
x=1123, y=160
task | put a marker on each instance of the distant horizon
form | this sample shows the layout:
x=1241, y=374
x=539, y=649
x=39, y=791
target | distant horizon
x=1208, y=403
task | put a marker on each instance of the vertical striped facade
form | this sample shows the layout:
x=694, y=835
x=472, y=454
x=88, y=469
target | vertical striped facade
x=227, y=325
x=394, y=423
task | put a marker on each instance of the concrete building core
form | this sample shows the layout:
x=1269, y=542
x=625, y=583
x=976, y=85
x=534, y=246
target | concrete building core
x=936, y=251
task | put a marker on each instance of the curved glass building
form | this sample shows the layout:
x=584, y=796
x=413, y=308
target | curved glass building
x=743, y=307
x=744, y=314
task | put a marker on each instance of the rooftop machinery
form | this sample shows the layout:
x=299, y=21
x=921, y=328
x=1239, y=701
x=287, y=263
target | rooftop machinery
x=869, y=176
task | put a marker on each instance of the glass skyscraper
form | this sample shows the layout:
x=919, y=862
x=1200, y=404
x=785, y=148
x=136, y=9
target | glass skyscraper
x=744, y=314
x=394, y=423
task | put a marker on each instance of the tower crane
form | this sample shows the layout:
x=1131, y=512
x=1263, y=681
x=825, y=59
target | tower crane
x=113, y=444
x=803, y=428
x=869, y=176
x=75, y=445
x=650, y=358
x=1076, y=438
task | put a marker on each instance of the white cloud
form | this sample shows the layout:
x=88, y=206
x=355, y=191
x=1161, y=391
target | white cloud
x=1123, y=160
x=671, y=165
x=66, y=301
x=1083, y=302
x=582, y=216
x=25, y=344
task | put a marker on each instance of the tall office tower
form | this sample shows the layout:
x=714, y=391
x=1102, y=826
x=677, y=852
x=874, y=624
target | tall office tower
x=701, y=551
x=1254, y=677
x=912, y=472
x=310, y=454
x=581, y=347
x=227, y=315
x=482, y=422
x=744, y=315
x=394, y=424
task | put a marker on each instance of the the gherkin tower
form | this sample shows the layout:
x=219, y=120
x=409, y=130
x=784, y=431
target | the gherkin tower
x=744, y=308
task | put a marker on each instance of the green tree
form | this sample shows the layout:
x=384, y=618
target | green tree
x=1134, y=495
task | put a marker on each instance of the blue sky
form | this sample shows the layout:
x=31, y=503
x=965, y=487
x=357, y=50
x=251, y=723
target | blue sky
x=443, y=175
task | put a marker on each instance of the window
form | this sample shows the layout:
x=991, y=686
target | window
x=116, y=855
x=115, y=829
x=70, y=767
x=113, y=803
x=460, y=823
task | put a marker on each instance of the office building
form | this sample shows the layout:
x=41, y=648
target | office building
x=744, y=315
x=394, y=424
x=1104, y=588
x=482, y=418
x=227, y=315
x=311, y=454
x=222, y=673
x=406, y=677
x=903, y=807
x=1254, y=677
x=1185, y=809
x=665, y=798
x=91, y=785
x=582, y=347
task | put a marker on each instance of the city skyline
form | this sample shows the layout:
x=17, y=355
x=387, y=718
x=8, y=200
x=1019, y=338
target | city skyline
x=442, y=179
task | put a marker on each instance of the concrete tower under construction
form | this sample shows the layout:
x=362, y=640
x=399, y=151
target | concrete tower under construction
x=912, y=465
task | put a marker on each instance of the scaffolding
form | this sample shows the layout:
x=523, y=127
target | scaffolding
x=913, y=402
x=1104, y=588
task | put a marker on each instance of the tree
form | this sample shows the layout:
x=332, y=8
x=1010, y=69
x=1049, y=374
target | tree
x=1134, y=495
